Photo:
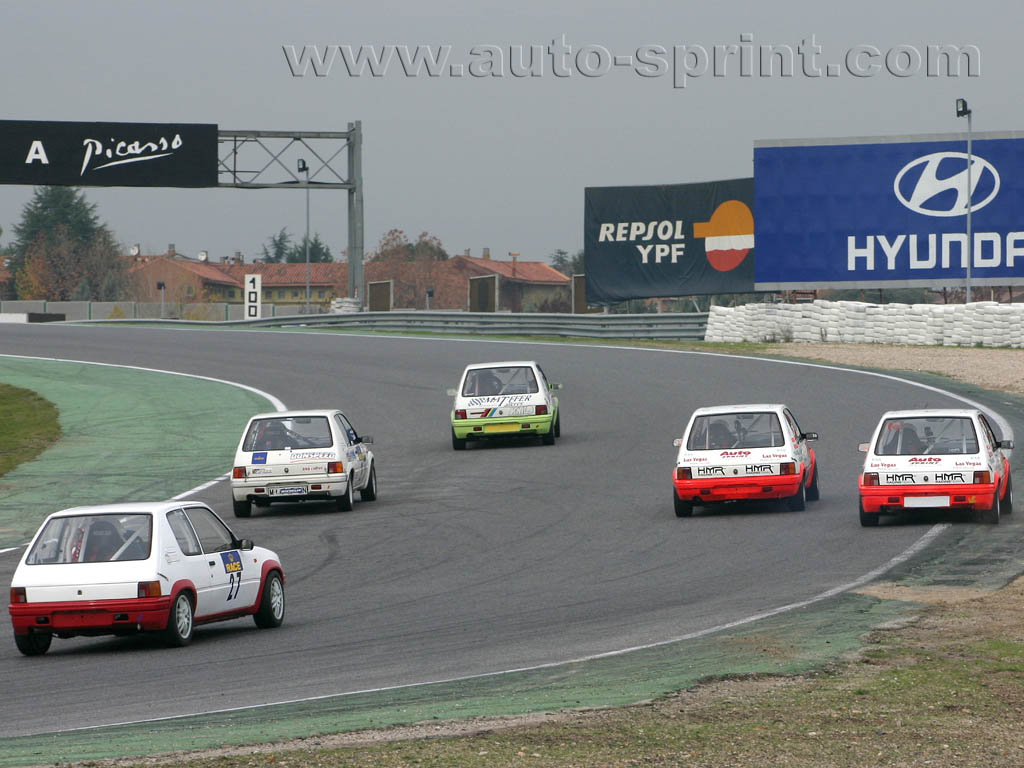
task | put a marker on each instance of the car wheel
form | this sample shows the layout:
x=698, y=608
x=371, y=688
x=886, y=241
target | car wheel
x=866, y=520
x=1006, y=505
x=558, y=425
x=458, y=443
x=683, y=508
x=271, y=610
x=813, y=494
x=548, y=438
x=345, y=502
x=34, y=643
x=991, y=516
x=180, y=624
x=798, y=502
x=369, y=493
x=242, y=508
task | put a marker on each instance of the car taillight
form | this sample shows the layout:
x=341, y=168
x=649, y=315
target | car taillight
x=870, y=478
x=18, y=595
x=982, y=478
x=335, y=467
x=787, y=468
x=542, y=410
x=238, y=473
x=460, y=413
x=149, y=589
x=683, y=473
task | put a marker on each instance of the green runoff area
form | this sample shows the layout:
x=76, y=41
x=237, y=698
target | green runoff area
x=801, y=641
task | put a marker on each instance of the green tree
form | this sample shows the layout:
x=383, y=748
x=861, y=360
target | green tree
x=318, y=251
x=566, y=264
x=280, y=245
x=61, y=249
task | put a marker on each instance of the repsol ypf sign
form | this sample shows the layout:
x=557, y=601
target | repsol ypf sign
x=668, y=240
x=108, y=154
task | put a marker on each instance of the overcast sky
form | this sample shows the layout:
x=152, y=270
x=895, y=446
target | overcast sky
x=498, y=162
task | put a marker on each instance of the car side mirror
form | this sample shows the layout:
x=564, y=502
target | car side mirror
x=677, y=442
x=808, y=435
x=364, y=439
x=554, y=386
x=863, y=447
x=246, y=544
x=451, y=392
x=1007, y=444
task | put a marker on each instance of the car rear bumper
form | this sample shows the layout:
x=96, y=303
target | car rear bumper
x=91, y=617
x=474, y=429
x=322, y=487
x=891, y=499
x=710, y=490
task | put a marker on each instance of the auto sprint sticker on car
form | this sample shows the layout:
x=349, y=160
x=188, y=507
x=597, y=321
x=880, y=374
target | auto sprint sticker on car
x=497, y=401
x=232, y=562
x=260, y=457
x=311, y=455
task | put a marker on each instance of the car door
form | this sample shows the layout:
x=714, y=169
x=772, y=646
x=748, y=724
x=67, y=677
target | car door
x=187, y=561
x=803, y=453
x=992, y=453
x=232, y=585
x=355, y=452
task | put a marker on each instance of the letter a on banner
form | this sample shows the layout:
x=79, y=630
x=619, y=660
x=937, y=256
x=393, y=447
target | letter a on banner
x=253, y=297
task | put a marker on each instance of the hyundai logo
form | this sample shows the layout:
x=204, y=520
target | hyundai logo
x=936, y=184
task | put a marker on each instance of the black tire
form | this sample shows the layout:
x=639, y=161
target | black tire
x=180, y=621
x=548, y=438
x=242, y=508
x=345, y=502
x=798, y=502
x=813, y=494
x=683, y=508
x=558, y=425
x=34, y=643
x=866, y=520
x=458, y=443
x=991, y=516
x=369, y=493
x=1006, y=505
x=271, y=610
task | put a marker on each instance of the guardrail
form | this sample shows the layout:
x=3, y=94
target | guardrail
x=690, y=326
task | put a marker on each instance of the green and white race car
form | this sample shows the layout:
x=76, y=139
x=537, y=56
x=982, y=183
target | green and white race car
x=504, y=400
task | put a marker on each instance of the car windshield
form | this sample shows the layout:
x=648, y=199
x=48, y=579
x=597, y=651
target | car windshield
x=277, y=434
x=935, y=435
x=99, y=538
x=512, y=380
x=735, y=430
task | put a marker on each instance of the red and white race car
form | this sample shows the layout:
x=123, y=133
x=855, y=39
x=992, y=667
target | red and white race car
x=744, y=453
x=947, y=459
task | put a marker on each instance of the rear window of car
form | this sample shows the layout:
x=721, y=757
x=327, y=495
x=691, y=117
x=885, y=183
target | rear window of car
x=101, y=538
x=509, y=380
x=277, y=434
x=735, y=430
x=935, y=436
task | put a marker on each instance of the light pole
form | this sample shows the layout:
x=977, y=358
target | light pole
x=962, y=110
x=303, y=168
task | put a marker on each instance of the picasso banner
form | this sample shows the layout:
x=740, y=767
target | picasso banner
x=668, y=240
x=889, y=212
x=108, y=154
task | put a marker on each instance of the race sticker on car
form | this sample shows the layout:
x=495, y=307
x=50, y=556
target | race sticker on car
x=260, y=471
x=259, y=457
x=311, y=455
x=232, y=562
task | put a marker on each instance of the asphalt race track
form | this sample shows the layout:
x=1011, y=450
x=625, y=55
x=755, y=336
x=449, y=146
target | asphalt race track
x=495, y=558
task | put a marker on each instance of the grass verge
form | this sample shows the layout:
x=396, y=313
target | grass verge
x=30, y=426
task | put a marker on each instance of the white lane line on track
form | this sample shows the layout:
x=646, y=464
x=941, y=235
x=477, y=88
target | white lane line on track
x=903, y=556
x=276, y=402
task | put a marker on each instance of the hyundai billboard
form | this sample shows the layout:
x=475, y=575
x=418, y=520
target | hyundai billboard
x=889, y=212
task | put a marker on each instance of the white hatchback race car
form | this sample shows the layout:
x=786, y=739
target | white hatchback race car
x=947, y=459
x=744, y=453
x=504, y=400
x=292, y=456
x=141, y=567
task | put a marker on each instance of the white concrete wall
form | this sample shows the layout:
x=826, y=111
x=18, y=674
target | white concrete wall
x=987, y=323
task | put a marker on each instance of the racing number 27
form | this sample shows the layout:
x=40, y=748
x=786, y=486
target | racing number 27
x=234, y=585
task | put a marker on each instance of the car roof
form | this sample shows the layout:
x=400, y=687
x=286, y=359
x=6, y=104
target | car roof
x=126, y=507
x=742, y=408
x=931, y=413
x=502, y=364
x=292, y=414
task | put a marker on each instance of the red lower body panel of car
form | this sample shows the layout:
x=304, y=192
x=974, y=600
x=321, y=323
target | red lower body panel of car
x=889, y=499
x=709, y=490
x=91, y=616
